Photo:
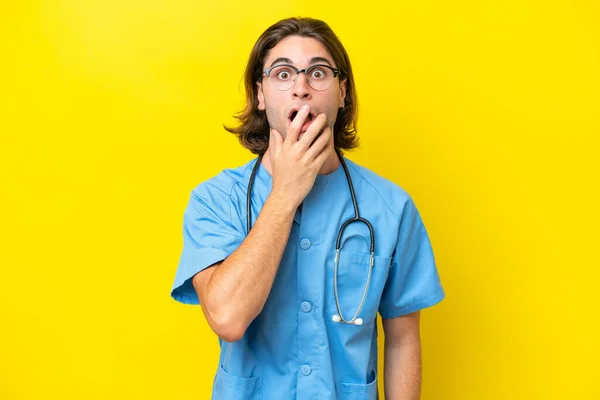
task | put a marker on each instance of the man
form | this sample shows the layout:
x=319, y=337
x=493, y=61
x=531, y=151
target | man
x=295, y=308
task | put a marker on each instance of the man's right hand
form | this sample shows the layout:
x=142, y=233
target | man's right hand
x=296, y=162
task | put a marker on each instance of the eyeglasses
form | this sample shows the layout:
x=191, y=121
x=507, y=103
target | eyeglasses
x=319, y=77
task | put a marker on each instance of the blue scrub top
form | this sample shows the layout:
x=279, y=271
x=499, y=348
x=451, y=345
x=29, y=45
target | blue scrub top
x=293, y=349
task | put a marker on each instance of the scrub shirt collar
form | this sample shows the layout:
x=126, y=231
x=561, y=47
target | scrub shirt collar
x=322, y=180
x=263, y=180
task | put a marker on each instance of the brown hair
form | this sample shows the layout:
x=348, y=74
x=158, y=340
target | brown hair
x=253, y=131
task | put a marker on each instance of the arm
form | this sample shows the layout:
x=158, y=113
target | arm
x=232, y=293
x=402, y=358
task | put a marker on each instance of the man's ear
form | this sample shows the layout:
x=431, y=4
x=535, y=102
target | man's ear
x=343, y=92
x=260, y=97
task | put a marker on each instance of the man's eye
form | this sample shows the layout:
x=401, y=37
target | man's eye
x=283, y=75
x=317, y=74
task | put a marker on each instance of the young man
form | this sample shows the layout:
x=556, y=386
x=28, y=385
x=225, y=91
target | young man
x=290, y=288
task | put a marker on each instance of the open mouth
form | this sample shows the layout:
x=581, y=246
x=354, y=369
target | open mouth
x=293, y=114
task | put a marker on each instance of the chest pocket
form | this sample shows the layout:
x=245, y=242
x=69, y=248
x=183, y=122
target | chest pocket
x=352, y=276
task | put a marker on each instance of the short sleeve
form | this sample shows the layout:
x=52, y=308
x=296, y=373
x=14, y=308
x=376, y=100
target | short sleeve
x=208, y=237
x=413, y=282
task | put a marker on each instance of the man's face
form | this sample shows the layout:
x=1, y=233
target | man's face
x=301, y=52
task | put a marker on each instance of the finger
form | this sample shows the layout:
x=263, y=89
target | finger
x=313, y=131
x=294, y=129
x=324, y=155
x=319, y=143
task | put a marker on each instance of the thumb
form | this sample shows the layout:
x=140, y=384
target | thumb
x=276, y=140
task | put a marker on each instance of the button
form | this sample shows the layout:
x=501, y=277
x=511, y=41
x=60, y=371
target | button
x=305, y=244
x=305, y=306
x=305, y=369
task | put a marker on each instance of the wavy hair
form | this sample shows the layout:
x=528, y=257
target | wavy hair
x=253, y=130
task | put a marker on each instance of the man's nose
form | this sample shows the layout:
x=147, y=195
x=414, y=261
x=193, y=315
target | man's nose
x=301, y=89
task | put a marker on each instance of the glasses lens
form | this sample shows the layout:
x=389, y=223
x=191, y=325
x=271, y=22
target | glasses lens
x=282, y=77
x=320, y=77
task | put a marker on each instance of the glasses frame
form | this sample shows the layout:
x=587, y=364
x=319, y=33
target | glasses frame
x=335, y=71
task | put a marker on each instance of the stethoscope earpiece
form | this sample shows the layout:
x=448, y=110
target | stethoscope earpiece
x=357, y=321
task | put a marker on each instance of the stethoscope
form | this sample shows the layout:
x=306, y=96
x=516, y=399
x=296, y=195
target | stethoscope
x=337, y=317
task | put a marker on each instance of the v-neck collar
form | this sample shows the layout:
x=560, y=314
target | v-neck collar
x=263, y=177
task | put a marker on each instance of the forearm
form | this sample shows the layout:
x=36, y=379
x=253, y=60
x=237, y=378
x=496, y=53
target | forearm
x=240, y=285
x=402, y=369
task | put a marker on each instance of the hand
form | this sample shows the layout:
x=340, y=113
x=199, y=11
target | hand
x=296, y=162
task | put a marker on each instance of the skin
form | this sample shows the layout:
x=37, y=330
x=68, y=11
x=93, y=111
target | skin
x=402, y=357
x=277, y=104
x=233, y=292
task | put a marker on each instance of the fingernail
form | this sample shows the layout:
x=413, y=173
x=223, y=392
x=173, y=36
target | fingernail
x=305, y=108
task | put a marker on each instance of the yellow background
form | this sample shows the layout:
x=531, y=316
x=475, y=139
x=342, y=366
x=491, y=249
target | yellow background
x=112, y=111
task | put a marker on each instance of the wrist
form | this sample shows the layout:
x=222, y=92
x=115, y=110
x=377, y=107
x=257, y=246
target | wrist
x=281, y=203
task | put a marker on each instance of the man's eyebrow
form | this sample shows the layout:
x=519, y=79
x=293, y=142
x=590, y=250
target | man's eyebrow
x=313, y=60
x=282, y=60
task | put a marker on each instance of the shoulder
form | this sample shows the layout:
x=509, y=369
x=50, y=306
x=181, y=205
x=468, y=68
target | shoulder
x=394, y=197
x=216, y=190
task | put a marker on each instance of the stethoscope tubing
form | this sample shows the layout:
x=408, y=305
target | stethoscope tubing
x=357, y=218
